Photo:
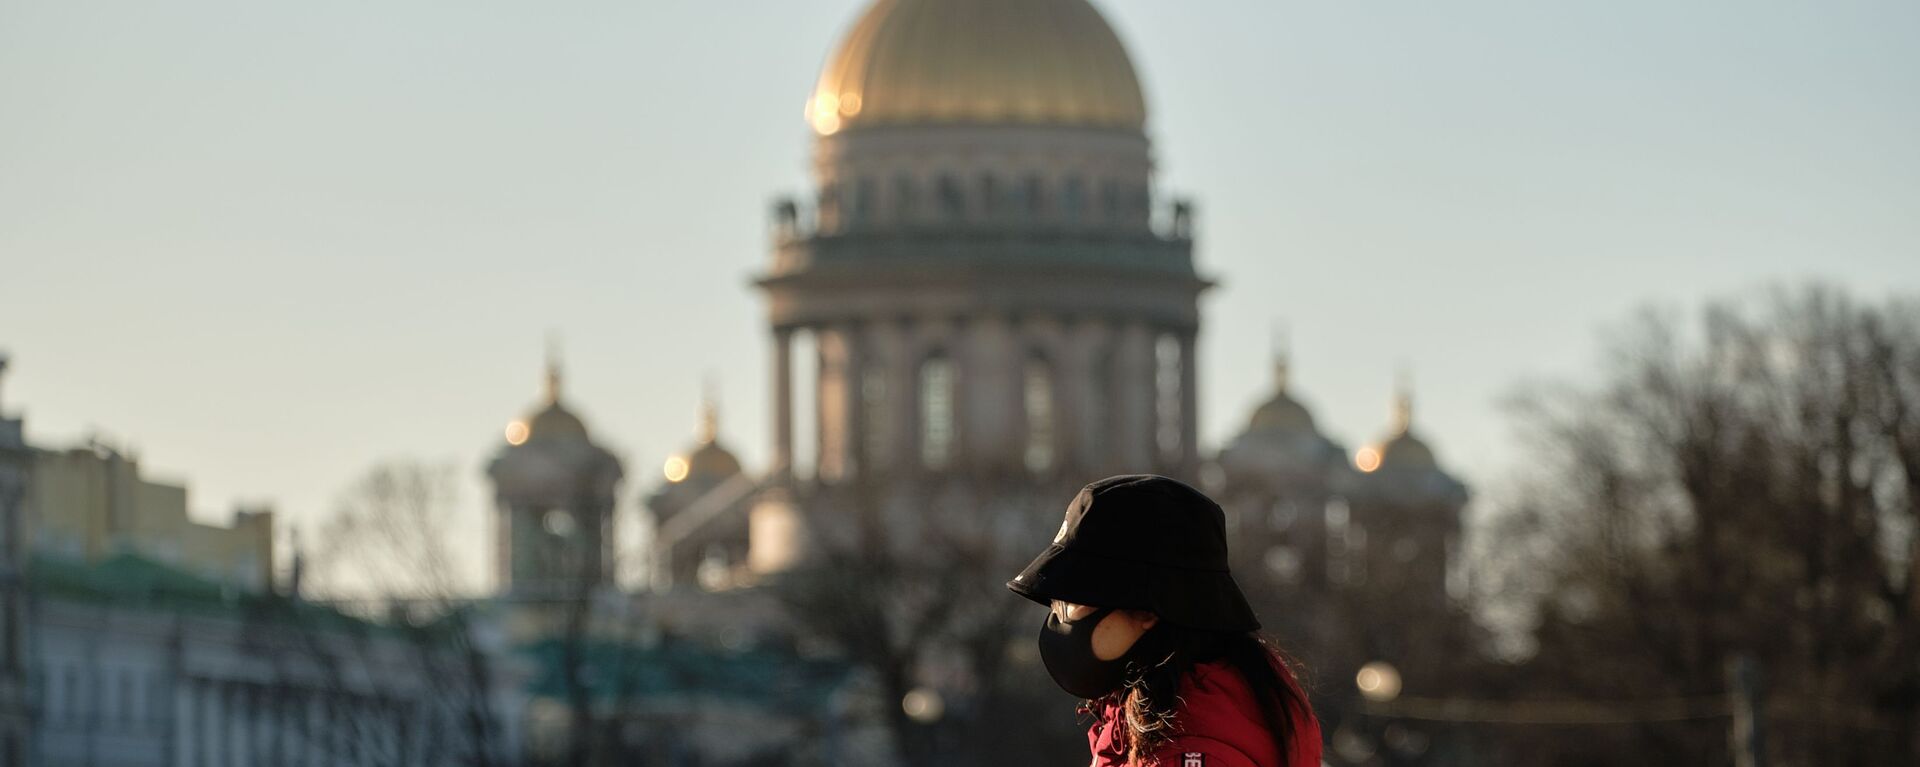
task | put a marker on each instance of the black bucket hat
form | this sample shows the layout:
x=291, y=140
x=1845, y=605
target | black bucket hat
x=1142, y=542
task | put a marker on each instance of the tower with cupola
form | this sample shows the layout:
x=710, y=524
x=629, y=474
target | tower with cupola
x=1405, y=523
x=554, y=497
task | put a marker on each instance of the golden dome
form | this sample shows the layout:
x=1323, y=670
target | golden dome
x=1026, y=62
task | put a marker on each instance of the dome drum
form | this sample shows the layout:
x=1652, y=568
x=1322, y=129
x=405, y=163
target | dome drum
x=939, y=252
x=1011, y=176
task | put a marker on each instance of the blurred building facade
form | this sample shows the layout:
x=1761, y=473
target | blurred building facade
x=139, y=663
x=16, y=711
x=132, y=635
x=91, y=503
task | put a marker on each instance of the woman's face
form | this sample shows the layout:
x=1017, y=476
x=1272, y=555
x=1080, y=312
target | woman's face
x=1115, y=634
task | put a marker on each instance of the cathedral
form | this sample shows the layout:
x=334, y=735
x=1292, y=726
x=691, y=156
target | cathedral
x=982, y=304
x=993, y=302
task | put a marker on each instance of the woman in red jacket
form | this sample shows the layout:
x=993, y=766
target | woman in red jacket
x=1147, y=625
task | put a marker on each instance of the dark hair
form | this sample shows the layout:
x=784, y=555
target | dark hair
x=1150, y=703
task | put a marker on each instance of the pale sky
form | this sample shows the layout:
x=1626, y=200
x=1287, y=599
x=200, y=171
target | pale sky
x=268, y=243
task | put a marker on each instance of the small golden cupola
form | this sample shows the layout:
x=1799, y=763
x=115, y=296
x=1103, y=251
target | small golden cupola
x=1402, y=450
x=709, y=462
x=552, y=422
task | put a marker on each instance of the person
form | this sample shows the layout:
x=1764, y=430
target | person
x=1146, y=624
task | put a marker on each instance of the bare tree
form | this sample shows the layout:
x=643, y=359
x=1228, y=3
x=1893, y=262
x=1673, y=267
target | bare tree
x=927, y=614
x=1747, y=486
x=385, y=554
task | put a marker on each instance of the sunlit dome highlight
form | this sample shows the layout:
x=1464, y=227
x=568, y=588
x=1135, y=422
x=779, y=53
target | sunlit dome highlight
x=677, y=469
x=1022, y=62
x=1368, y=459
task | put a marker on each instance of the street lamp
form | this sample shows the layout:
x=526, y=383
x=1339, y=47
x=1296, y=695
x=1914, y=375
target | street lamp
x=1378, y=681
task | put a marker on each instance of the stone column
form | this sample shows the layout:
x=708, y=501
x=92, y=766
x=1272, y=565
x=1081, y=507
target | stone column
x=1189, y=405
x=903, y=387
x=1133, y=436
x=853, y=411
x=882, y=447
x=783, y=404
x=1086, y=397
x=835, y=399
x=990, y=396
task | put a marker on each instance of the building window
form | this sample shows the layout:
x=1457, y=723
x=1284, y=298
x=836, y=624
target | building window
x=1168, y=370
x=989, y=197
x=1038, y=391
x=1035, y=202
x=1110, y=200
x=936, y=412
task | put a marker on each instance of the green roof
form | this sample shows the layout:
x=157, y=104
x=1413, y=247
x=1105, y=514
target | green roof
x=673, y=670
x=136, y=582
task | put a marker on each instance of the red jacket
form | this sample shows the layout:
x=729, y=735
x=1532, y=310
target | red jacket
x=1218, y=725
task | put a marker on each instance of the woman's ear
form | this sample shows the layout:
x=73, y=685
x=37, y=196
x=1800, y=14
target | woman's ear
x=1145, y=619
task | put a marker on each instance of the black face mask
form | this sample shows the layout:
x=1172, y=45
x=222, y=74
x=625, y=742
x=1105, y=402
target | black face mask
x=1067, y=651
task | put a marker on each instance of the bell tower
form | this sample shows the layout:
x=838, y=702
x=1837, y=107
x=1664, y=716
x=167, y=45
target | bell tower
x=554, y=492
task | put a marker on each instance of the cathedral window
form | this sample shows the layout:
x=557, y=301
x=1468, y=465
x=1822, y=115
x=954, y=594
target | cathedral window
x=953, y=200
x=1073, y=199
x=990, y=203
x=905, y=198
x=1111, y=203
x=1036, y=198
x=863, y=201
x=558, y=523
x=1038, y=396
x=936, y=412
x=829, y=207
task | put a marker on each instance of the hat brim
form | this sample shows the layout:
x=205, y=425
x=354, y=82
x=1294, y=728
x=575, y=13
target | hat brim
x=1209, y=600
x=1083, y=579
